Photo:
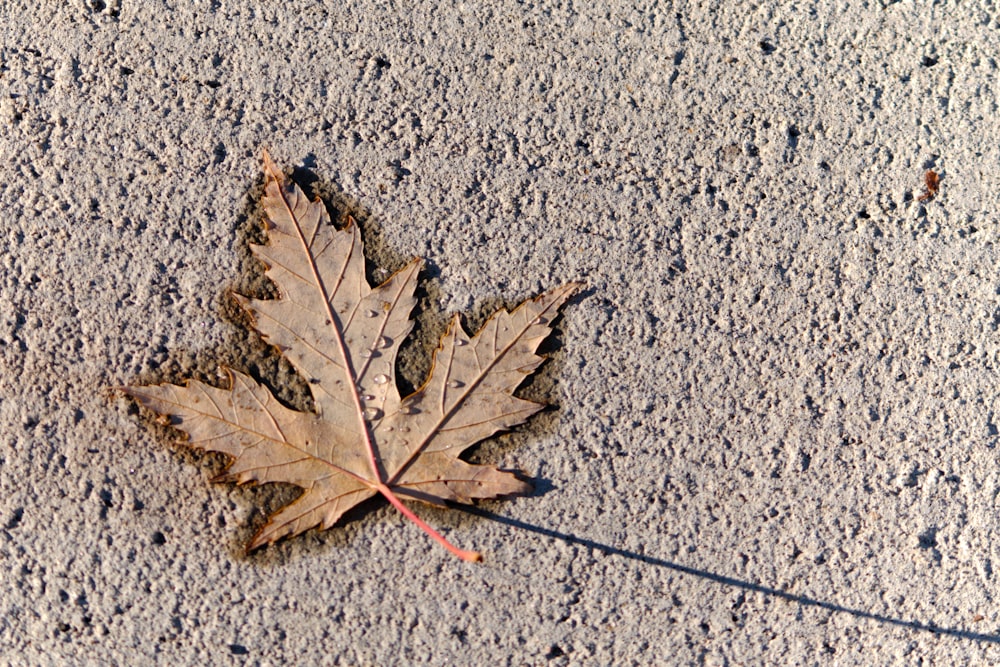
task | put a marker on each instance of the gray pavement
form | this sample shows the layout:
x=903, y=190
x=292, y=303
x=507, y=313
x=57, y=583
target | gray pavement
x=776, y=414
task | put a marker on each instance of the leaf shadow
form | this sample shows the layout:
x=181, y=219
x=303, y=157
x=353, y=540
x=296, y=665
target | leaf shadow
x=732, y=582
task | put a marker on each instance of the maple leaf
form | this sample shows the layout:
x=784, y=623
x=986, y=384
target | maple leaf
x=342, y=336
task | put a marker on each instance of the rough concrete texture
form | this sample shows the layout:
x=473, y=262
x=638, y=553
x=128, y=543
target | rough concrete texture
x=777, y=416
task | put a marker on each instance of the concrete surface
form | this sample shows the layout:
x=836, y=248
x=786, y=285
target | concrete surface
x=777, y=414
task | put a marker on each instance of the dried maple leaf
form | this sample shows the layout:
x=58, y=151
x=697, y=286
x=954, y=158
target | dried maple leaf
x=342, y=335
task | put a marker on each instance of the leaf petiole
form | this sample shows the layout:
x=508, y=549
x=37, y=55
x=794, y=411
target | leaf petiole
x=467, y=556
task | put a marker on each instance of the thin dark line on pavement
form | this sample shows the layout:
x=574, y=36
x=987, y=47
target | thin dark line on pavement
x=731, y=581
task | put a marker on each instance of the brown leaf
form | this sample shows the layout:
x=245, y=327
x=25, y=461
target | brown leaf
x=932, y=181
x=343, y=336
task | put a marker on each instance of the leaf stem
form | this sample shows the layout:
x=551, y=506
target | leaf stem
x=467, y=556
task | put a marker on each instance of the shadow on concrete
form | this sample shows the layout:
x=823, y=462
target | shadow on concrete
x=731, y=581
